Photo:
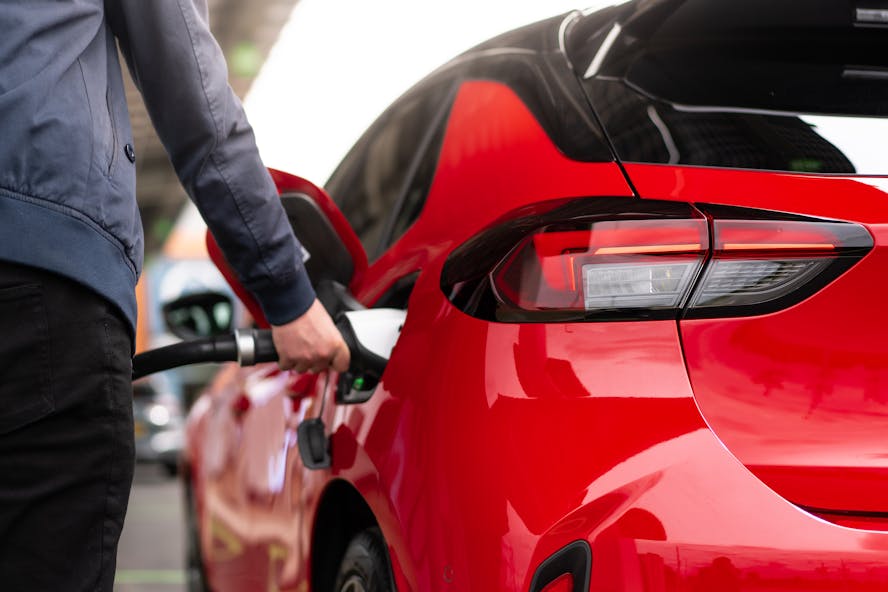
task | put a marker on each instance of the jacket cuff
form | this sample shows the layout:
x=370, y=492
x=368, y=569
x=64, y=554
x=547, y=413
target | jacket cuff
x=286, y=302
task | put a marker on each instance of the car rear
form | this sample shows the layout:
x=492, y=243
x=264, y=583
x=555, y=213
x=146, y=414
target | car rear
x=695, y=382
x=769, y=121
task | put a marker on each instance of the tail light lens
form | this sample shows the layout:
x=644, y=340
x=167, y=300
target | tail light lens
x=649, y=260
x=751, y=281
x=606, y=266
x=762, y=262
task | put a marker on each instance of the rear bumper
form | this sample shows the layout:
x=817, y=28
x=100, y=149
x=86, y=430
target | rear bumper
x=686, y=515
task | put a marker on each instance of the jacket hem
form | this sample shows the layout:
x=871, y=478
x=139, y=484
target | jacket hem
x=46, y=238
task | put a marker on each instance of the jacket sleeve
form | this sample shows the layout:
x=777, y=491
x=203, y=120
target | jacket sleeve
x=179, y=68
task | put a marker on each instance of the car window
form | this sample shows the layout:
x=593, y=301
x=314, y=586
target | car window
x=752, y=85
x=368, y=185
x=420, y=180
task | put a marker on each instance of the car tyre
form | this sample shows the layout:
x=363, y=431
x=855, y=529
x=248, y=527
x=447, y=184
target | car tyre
x=365, y=565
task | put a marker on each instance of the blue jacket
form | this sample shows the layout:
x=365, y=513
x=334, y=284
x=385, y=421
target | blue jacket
x=67, y=164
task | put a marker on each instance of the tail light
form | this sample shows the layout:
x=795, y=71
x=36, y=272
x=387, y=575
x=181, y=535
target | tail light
x=762, y=262
x=628, y=260
x=606, y=266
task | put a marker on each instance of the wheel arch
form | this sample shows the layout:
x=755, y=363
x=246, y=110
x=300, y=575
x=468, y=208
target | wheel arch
x=342, y=513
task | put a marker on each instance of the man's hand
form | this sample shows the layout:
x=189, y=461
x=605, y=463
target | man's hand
x=311, y=343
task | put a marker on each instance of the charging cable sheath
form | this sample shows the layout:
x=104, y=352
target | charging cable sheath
x=246, y=346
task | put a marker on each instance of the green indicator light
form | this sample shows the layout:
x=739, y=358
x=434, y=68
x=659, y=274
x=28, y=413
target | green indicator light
x=358, y=384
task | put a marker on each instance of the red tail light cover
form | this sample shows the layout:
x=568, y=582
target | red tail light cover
x=618, y=259
x=609, y=265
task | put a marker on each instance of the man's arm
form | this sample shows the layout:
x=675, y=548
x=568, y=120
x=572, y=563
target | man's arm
x=182, y=75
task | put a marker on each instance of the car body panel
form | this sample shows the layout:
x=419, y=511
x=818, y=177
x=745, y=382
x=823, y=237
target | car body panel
x=796, y=399
x=479, y=168
x=855, y=199
x=770, y=109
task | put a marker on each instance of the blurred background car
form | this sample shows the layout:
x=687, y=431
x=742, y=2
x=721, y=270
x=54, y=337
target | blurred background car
x=159, y=421
x=179, y=269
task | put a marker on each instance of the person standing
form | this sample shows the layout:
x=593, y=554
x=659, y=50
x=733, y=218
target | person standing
x=71, y=253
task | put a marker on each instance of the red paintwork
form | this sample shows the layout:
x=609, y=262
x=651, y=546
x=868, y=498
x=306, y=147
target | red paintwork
x=489, y=446
x=858, y=199
x=798, y=396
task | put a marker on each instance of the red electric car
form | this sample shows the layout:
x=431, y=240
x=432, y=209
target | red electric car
x=643, y=256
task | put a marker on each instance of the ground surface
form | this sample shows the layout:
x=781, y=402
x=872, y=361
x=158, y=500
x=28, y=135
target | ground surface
x=151, y=553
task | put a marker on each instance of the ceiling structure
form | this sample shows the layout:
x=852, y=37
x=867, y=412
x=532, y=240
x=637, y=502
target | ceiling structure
x=246, y=30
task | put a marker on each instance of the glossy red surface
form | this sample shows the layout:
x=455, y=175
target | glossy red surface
x=798, y=395
x=495, y=158
x=858, y=199
x=488, y=446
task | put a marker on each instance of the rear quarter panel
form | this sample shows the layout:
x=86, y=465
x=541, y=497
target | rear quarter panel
x=798, y=395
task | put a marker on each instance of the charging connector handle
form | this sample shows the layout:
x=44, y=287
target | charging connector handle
x=370, y=335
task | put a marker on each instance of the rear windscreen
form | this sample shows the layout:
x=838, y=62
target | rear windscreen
x=777, y=85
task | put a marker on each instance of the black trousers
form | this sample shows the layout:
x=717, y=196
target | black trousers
x=66, y=433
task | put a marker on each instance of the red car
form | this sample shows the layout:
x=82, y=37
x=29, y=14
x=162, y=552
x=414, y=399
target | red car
x=641, y=253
